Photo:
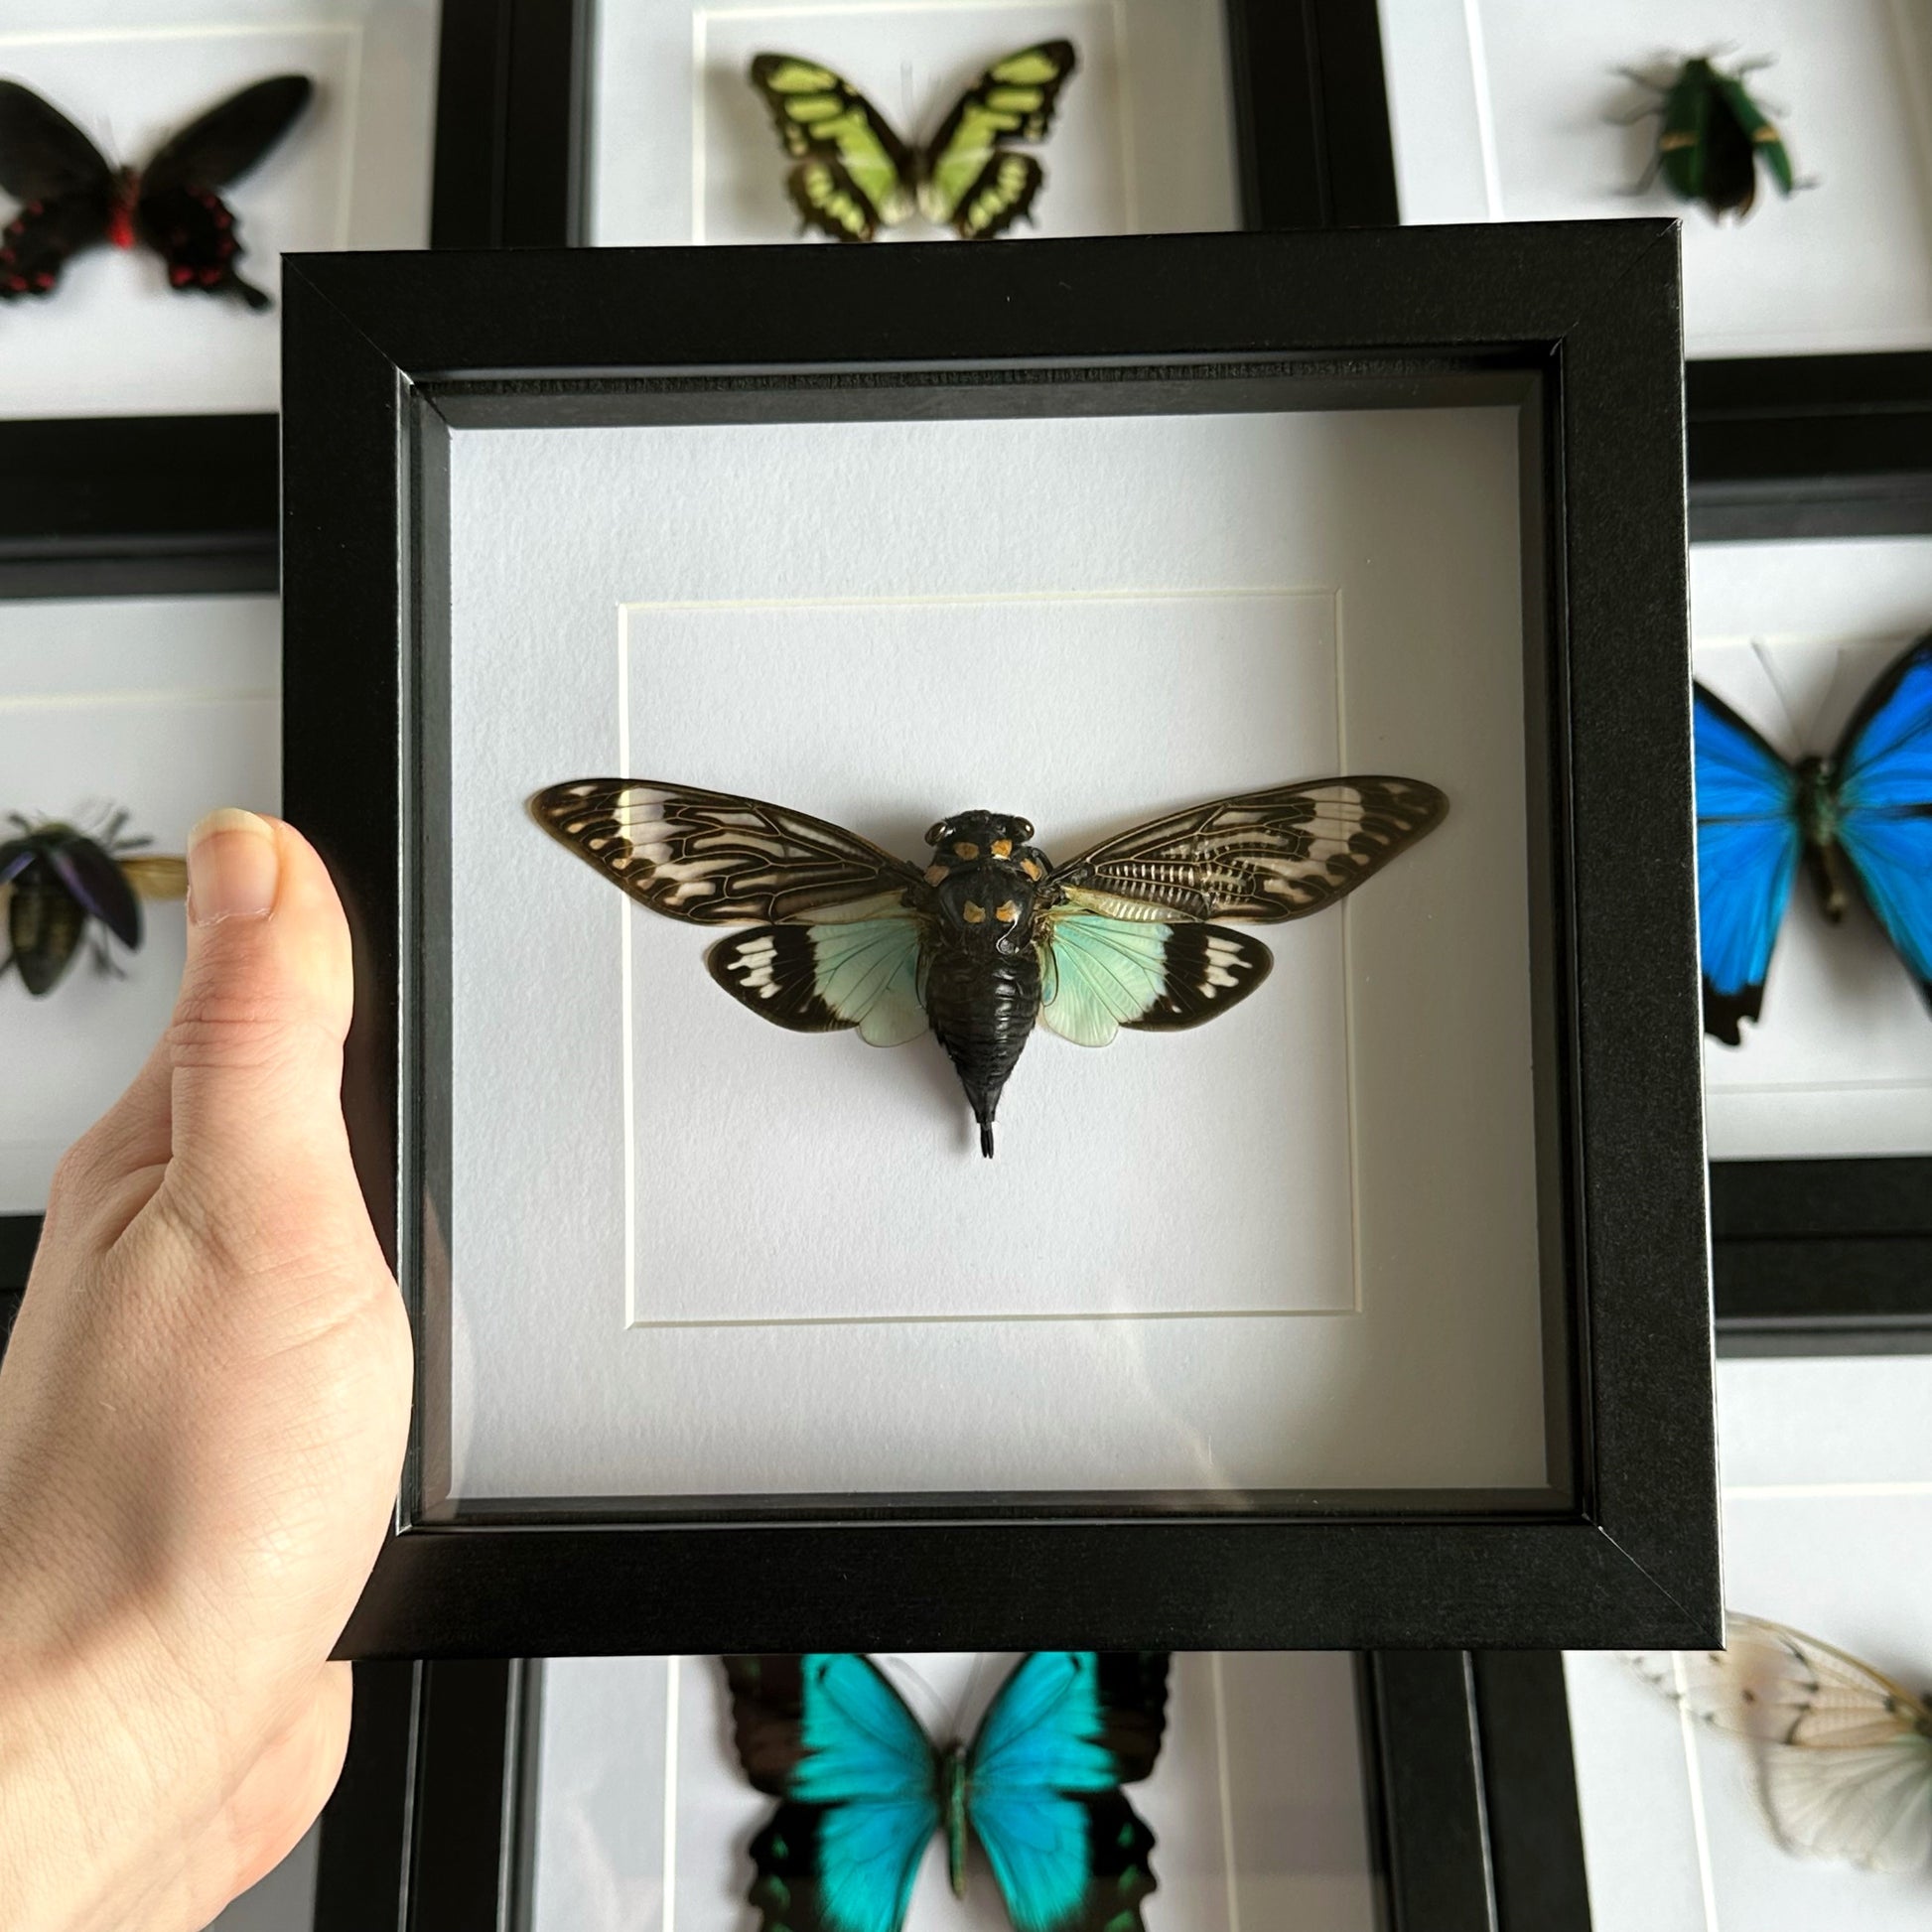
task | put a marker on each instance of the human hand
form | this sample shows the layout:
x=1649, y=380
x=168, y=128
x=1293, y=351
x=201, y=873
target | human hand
x=201, y=1419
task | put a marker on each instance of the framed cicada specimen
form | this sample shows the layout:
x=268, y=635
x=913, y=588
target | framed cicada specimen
x=1221, y=640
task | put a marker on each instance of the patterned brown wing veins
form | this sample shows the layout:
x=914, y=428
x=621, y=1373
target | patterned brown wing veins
x=1264, y=855
x=717, y=859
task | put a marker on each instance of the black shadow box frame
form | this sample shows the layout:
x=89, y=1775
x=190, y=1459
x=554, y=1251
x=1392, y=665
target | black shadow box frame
x=1471, y=1795
x=1578, y=328
x=1822, y=1256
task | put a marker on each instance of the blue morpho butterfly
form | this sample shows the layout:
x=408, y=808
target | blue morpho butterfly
x=1860, y=817
x=862, y=1789
x=989, y=936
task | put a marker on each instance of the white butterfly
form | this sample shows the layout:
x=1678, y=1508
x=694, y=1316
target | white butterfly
x=1843, y=1754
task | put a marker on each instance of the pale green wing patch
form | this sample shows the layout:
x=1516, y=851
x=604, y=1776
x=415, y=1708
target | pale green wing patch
x=970, y=182
x=1099, y=974
x=828, y=976
x=868, y=972
x=849, y=152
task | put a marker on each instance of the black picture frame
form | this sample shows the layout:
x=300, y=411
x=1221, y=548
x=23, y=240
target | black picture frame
x=1822, y=1256
x=1311, y=114
x=1579, y=325
x=1469, y=1787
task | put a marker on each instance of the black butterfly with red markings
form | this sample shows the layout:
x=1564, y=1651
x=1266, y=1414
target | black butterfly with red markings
x=72, y=199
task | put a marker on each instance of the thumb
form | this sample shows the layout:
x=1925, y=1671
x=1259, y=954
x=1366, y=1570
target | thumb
x=254, y=1051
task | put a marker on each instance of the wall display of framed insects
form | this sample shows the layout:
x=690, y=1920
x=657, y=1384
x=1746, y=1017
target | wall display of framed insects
x=1513, y=111
x=351, y=170
x=161, y=708
x=610, y=1183
x=1828, y=1505
x=1407, y=1792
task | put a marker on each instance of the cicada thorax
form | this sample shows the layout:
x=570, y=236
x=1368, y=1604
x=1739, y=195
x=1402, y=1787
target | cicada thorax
x=981, y=964
x=44, y=923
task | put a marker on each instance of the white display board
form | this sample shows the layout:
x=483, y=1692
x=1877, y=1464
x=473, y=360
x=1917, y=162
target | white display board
x=644, y=1819
x=1791, y=635
x=695, y=1254
x=1828, y=1527
x=684, y=149
x=113, y=339
x=166, y=707
x=1503, y=111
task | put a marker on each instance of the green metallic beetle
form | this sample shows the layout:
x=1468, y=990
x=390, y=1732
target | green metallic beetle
x=1712, y=137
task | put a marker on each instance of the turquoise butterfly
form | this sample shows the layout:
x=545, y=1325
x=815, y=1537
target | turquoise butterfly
x=863, y=1789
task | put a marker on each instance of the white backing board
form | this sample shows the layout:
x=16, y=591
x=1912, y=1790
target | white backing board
x=113, y=339
x=1828, y=1527
x=168, y=707
x=1792, y=636
x=1501, y=109
x=684, y=149
x=1410, y=1354
x=644, y=1819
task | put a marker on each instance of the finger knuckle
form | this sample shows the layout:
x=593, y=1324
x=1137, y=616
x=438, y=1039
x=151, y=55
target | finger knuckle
x=224, y=1025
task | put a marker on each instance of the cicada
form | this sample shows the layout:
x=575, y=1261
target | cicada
x=1713, y=136
x=57, y=879
x=989, y=936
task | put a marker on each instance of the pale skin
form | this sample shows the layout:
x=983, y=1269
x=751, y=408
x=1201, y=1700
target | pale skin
x=201, y=1419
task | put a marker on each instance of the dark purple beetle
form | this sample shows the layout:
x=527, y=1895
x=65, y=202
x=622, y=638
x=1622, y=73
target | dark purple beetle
x=57, y=878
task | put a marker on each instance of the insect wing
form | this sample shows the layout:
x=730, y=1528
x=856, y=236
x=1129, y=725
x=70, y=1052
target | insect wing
x=1279, y=854
x=153, y=875
x=225, y=142
x=16, y=855
x=854, y=174
x=973, y=181
x=816, y=979
x=1682, y=142
x=43, y=154
x=98, y=886
x=1042, y=1787
x=1884, y=798
x=1844, y=1755
x=718, y=859
x=1757, y=129
x=858, y=1786
x=1747, y=846
x=63, y=184
x=1098, y=974
x=179, y=215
